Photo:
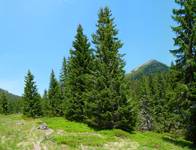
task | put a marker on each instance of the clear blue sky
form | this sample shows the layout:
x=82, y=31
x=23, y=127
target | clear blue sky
x=37, y=34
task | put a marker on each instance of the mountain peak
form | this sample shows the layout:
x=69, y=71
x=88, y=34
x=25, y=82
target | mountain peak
x=152, y=61
x=150, y=67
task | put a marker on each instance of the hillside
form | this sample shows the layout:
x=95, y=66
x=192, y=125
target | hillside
x=21, y=133
x=10, y=96
x=148, y=68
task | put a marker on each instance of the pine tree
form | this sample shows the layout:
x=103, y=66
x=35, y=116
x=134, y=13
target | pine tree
x=159, y=101
x=192, y=127
x=45, y=95
x=31, y=98
x=64, y=90
x=3, y=104
x=186, y=53
x=79, y=76
x=173, y=103
x=146, y=104
x=110, y=107
x=54, y=97
x=185, y=38
x=63, y=78
x=45, y=104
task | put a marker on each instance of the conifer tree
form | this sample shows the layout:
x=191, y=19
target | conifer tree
x=185, y=38
x=63, y=79
x=110, y=107
x=64, y=90
x=159, y=101
x=45, y=95
x=174, y=104
x=54, y=97
x=145, y=104
x=185, y=53
x=3, y=104
x=79, y=76
x=45, y=104
x=31, y=98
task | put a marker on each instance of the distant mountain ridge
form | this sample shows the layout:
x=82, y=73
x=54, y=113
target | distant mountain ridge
x=148, y=68
x=10, y=96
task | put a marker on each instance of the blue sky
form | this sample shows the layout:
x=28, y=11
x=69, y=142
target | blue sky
x=37, y=34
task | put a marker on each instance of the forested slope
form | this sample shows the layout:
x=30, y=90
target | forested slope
x=148, y=68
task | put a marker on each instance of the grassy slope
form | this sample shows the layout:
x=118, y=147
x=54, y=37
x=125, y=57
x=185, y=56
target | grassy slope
x=19, y=133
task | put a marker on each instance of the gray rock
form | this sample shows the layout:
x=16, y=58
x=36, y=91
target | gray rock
x=43, y=126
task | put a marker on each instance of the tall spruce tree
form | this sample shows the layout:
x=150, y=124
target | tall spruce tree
x=63, y=78
x=3, y=104
x=185, y=53
x=54, y=97
x=64, y=84
x=110, y=107
x=31, y=98
x=185, y=38
x=79, y=76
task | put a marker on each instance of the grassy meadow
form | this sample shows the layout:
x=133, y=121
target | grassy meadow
x=20, y=133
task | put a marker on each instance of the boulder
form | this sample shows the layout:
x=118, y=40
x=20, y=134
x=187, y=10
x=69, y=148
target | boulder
x=43, y=126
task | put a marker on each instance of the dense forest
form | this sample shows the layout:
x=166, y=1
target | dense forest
x=94, y=89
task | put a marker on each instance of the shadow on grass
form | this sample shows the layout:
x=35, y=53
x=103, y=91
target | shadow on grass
x=179, y=142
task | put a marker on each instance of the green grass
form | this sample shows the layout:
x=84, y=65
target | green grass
x=151, y=140
x=76, y=140
x=73, y=136
x=68, y=126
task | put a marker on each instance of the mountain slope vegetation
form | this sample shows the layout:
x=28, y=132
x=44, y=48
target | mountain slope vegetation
x=148, y=68
x=94, y=106
x=10, y=96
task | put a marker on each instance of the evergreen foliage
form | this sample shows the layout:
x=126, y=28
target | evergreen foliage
x=162, y=103
x=54, y=97
x=79, y=76
x=93, y=89
x=31, y=98
x=185, y=38
x=63, y=79
x=109, y=105
x=15, y=106
x=145, y=102
x=3, y=104
x=64, y=89
x=45, y=104
x=185, y=54
x=148, y=68
x=14, y=101
x=10, y=96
